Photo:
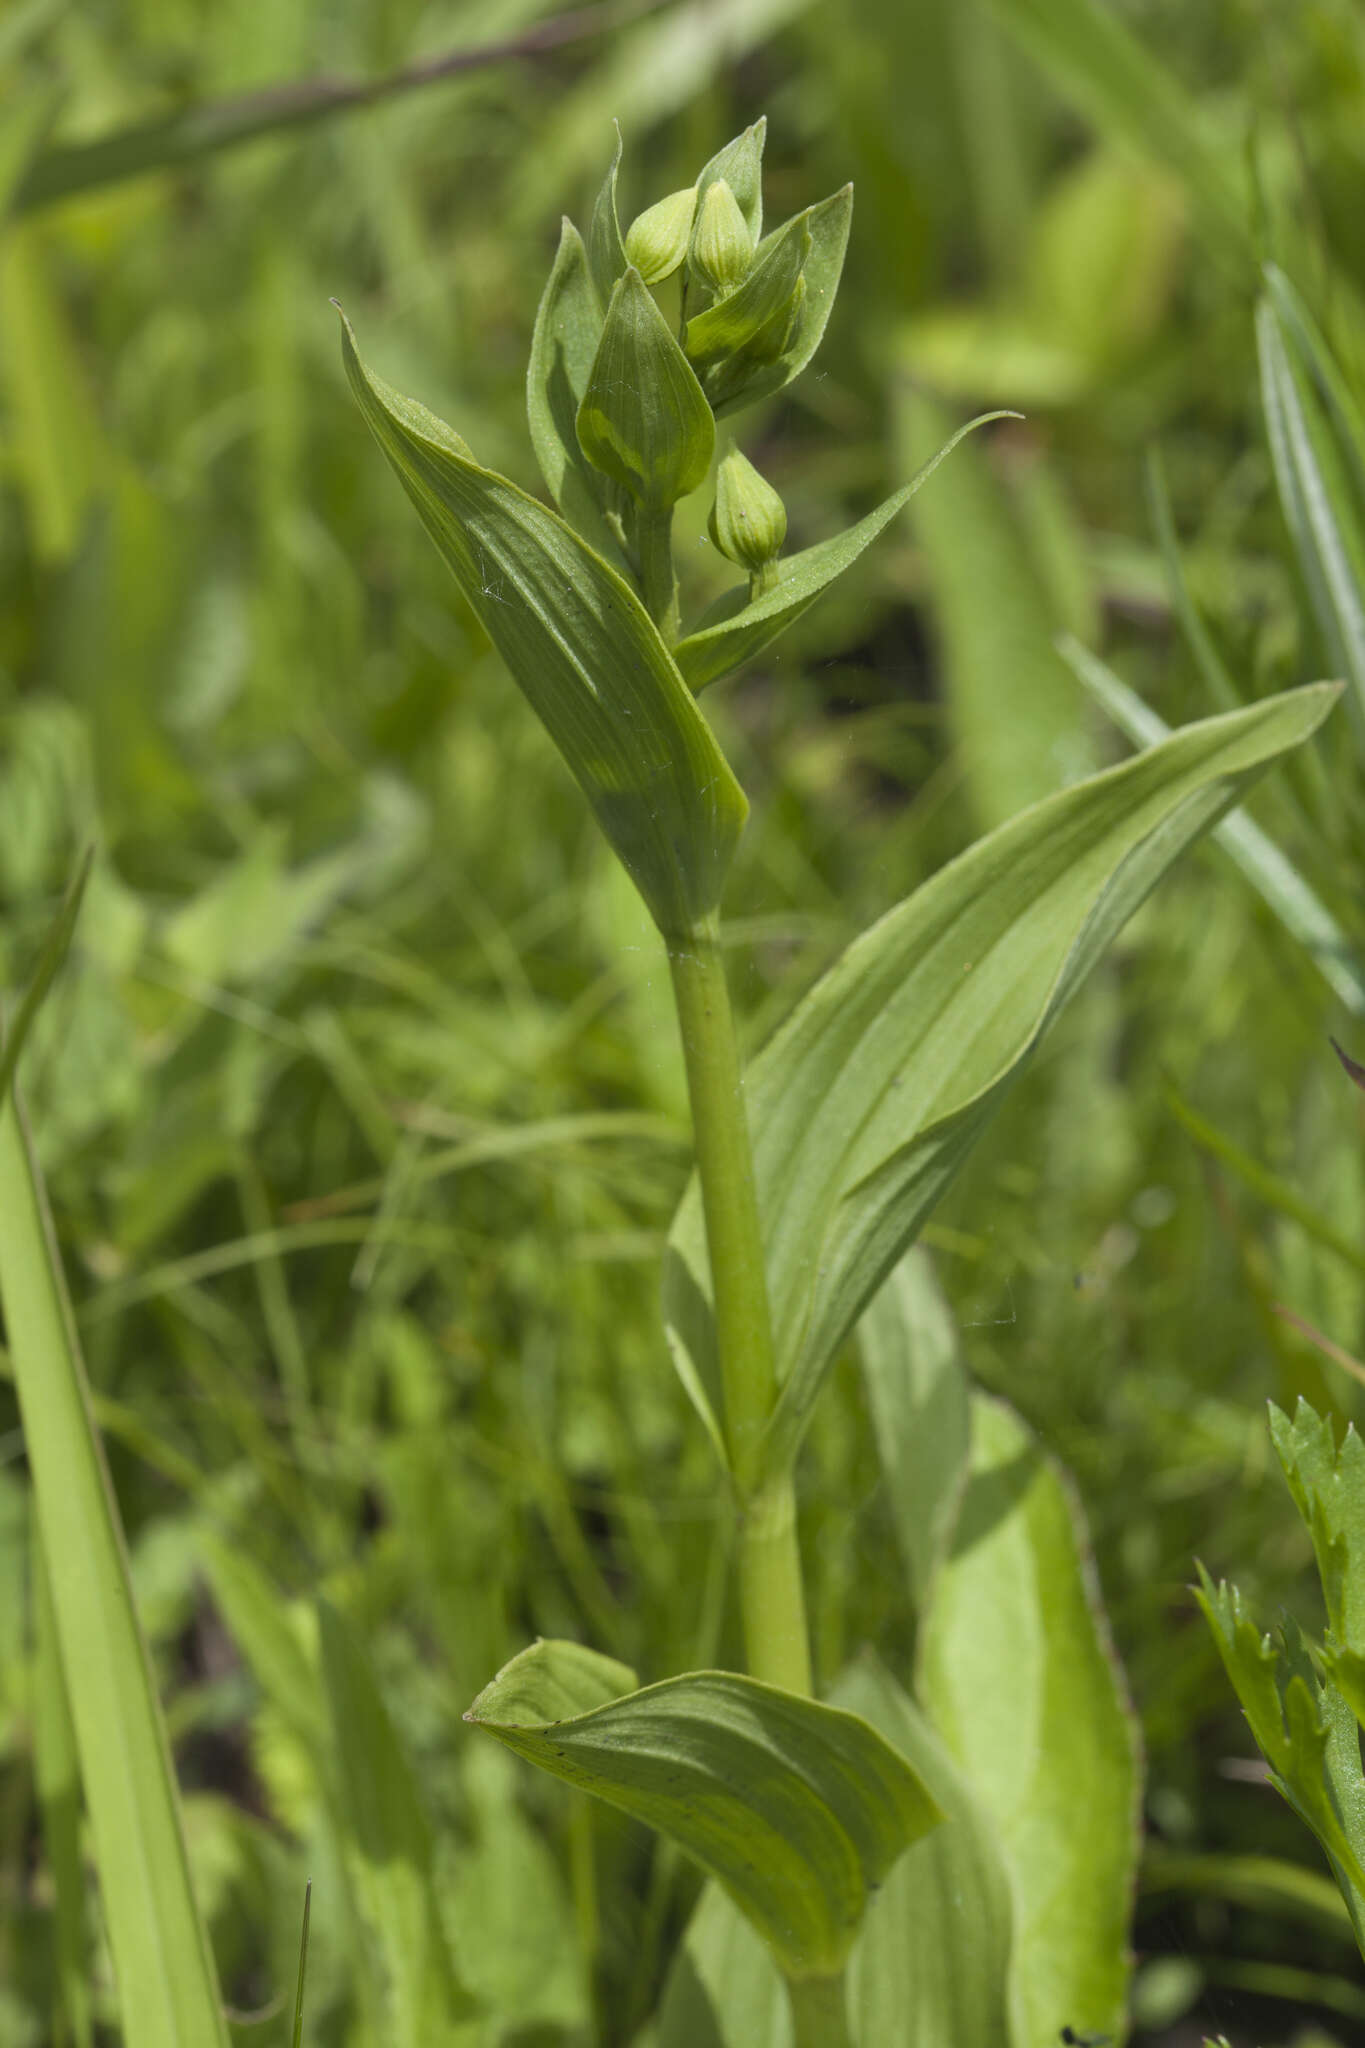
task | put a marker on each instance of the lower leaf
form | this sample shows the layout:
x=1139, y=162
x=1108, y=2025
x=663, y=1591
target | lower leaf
x=798, y=1810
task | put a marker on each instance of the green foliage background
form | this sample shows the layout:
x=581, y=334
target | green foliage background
x=360, y=1099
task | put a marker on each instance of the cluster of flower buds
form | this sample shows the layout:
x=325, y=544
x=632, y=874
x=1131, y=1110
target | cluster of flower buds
x=625, y=408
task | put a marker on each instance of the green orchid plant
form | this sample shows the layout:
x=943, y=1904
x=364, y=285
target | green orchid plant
x=815, y=1170
x=896, y=1863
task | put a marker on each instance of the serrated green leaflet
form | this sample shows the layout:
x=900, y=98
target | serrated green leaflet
x=1306, y=1732
x=568, y=329
x=870, y=1097
x=931, y=1963
x=799, y=1810
x=1018, y=1676
x=644, y=421
x=167, y=1986
x=735, y=629
x=1328, y=1485
x=582, y=647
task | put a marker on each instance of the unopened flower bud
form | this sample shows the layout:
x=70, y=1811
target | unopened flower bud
x=722, y=247
x=748, y=521
x=656, y=241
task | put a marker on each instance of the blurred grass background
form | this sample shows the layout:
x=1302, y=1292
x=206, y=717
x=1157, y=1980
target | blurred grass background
x=360, y=1099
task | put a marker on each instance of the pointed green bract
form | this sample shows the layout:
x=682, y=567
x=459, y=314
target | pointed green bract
x=606, y=249
x=740, y=164
x=568, y=329
x=799, y=1810
x=745, y=381
x=1019, y=1678
x=644, y=421
x=739, y=627
x=584, y=651
x=870, y=1097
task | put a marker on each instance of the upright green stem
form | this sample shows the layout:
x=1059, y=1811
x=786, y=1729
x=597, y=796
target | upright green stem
x=658, y=572
x=819, y=2012
x=772, y=1597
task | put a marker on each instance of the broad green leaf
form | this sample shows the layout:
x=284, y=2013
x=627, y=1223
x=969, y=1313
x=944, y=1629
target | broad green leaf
x=606, y=249
x=568, y=329
x=1328, y=1485
x=917, y=1396
x=871, y=1095
x=1312, y=473
x=1306, y=1732
x=584, y=651
x=1271, y=873
x=167, y=1986
x=798, y=1810
x=735, y=629
x=644, y=421
x=57, y=1783
x=932, y=1962
x=1019, y=1678
x=1011, y=705
x=740, y=163
x=386, y=1843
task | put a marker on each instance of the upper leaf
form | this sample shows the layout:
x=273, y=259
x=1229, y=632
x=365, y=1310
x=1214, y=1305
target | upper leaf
x=866, y=1103
x=1328, y=1485
x=585, y=652
x=799, y=1810
x=827, y=226
x=736, y=628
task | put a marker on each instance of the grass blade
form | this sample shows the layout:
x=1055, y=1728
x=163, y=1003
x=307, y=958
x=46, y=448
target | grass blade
x=56, y=1772
x=168, y=1989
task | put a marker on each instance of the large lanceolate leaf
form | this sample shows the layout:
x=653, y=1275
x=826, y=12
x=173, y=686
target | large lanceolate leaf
x=167, y=1986
x=1018, y=1676
x=1317, y=443
x=735, y=629
x=568, y=329
x=869, y=1098
x=584, y=651
x=919, y=1402
x=798, y=1810
x=1270, y=872
x=931, y=1965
